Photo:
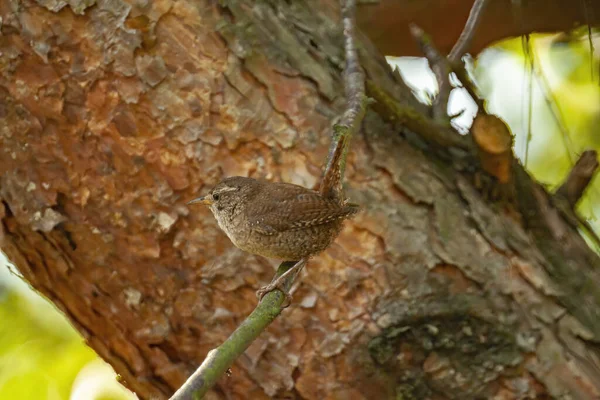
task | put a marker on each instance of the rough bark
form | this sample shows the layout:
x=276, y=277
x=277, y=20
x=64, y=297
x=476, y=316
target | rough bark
x=115, y=113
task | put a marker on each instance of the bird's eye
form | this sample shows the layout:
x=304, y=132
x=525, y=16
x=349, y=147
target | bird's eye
x=216, y=197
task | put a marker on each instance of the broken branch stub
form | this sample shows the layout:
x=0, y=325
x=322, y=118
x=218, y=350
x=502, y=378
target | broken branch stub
x=494, y=144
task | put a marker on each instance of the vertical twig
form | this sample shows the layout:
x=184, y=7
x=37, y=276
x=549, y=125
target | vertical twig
x=553, y=106
x=220, y=359
x=354, y=85
x=526, y=43
x=587, y=11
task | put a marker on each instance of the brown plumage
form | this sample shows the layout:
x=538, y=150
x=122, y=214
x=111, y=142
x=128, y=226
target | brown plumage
x=276, y=220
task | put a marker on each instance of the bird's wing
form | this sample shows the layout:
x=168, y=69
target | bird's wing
x=295, y=208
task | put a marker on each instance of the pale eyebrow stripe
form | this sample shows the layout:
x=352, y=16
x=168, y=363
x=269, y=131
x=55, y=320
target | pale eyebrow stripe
x=225, y=189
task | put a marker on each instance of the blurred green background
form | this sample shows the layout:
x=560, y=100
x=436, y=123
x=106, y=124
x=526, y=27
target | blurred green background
x=553, y=110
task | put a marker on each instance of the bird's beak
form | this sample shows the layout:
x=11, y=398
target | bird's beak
x=204, y=200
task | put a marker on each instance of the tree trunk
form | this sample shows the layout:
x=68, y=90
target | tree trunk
x=114, y=114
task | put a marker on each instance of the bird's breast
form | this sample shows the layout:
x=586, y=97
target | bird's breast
x=232, y=227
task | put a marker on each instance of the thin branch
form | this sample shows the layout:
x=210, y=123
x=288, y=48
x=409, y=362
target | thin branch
x=529, y=61
x=462, y=45
x=466, y=36
x=354, y=85
x=569, y=193
x=579, y=178
x=440, y=67
x=220, y=359
x=444, y=67
x=590, y=41
x=554, y=107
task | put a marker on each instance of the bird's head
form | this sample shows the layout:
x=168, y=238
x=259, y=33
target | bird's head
x=228, y=194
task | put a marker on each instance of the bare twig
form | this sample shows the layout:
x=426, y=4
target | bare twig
x=354, y=82
x=590, y=41
x=440, y=67
x=220, y=359
x=579, y=178
x=462, y=45
x=466, y=36
x=554, y=107
x=528, y=65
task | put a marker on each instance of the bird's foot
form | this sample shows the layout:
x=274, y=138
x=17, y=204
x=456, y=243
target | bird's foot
x=275, y=285
x=279, y=284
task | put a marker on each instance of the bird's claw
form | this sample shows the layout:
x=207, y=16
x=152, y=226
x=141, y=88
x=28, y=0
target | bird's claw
x=277, y=285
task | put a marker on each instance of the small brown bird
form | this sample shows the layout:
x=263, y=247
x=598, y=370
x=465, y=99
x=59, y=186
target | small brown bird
x=276, y=220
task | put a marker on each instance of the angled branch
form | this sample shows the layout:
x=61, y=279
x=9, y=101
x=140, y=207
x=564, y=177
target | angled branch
x=570, y=192
x=220, y=359
x=466, y=36
x=440, y=67
x=460, y=48
x=579, y=178
x=491, y=135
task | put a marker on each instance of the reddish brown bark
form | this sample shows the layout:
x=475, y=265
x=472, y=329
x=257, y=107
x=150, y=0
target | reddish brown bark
x=114, y=115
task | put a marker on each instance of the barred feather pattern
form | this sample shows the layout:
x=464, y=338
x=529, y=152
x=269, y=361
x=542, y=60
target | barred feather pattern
x=277, y=220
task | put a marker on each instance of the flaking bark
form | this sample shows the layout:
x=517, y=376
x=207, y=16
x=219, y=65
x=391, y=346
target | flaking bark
x=115, y=113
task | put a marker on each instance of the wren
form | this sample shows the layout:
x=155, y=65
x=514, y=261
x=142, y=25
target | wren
x=276, y=220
